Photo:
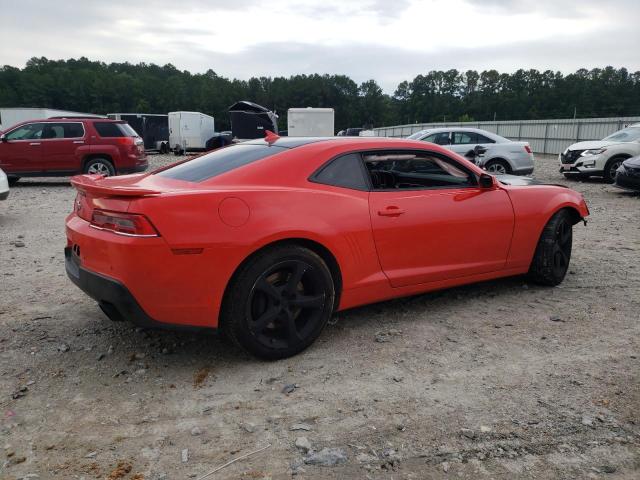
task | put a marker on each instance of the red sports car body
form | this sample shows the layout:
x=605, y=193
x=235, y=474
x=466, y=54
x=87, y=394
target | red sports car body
x=267, y=238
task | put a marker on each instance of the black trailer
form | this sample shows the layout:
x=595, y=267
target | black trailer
x=153, y=128
x=250, y=120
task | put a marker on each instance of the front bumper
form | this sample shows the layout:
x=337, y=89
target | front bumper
x=627, y=182
x=584, y=166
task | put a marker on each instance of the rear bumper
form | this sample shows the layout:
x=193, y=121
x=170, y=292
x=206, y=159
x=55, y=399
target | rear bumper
x=139, y=167
x=114, y=299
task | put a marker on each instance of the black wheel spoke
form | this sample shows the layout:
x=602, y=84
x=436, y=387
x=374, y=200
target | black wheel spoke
x=296, y=276
x=268, y=289
x=308, y=301
x=265, y=319
x=292, y=330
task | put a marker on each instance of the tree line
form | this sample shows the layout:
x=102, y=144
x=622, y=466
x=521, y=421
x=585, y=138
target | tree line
x=97, y=87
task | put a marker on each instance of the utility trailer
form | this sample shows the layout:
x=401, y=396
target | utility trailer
x=250, y=120
x=310, y=122
x=153, y=129
x=190, y=131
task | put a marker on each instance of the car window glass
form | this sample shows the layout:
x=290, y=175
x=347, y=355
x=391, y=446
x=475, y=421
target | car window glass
x=219, y=161
x=73, y=130
x=108, y=129
x=31, y=131
x=345, y=171
x=53, y=131
x=414, y=171
x=483, y=139
x=441, y=138
x=464, y=138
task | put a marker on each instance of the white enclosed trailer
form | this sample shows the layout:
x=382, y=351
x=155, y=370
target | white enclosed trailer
x=310, y=122
x=12, y=116
x=189, y=131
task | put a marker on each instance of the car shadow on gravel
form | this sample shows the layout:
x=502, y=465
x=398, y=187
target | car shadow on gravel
x=182, y=348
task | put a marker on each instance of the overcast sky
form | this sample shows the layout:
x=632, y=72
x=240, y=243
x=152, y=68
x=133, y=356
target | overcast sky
x=388, y=41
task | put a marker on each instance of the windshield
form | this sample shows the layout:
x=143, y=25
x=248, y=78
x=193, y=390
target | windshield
x=630, y=134
x=417, y=135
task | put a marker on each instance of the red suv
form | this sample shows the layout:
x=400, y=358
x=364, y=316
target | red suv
x=61, y=147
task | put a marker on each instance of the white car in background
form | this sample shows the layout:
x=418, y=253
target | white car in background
x=502, y=156
x=601, y=158
x=4, y=186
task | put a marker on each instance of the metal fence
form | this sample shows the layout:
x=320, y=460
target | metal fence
x=544, y=136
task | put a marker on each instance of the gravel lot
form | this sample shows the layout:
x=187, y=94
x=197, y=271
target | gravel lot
x=498, y=380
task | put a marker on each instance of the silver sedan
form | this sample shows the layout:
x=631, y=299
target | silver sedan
x=502, y=156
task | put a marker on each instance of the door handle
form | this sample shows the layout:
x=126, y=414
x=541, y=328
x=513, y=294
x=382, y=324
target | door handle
x=34, y=143
x=391, y=211
x=78, y=141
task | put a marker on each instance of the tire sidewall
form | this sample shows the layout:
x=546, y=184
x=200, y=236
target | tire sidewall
x=505, y=164
x=609, y=171
x=235, y=321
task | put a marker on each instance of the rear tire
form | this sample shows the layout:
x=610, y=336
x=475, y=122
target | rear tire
x=553, y=253
x=100, y=166
x=610, y=169
x=278, y=302
x=497, y=167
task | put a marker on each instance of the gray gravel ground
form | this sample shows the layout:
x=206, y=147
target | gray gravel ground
x=498, y=380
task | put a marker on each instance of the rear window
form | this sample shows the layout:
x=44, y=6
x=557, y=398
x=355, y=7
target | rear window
x=218, y=162
x=112, y=130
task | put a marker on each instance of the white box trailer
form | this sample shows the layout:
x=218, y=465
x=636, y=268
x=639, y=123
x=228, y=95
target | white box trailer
x=189, y=131
x=310, y=122
x=12, y=116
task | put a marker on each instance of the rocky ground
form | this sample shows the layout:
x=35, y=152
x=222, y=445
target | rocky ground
x=499, y=380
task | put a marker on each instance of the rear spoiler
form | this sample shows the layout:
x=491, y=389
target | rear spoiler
x=89, y=184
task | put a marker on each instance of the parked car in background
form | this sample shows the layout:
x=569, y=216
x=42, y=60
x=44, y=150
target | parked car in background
x=628, y=174
x=502, y=155
x=601, y=158
x=4, y=185
x=265, y=239
x=61, y=147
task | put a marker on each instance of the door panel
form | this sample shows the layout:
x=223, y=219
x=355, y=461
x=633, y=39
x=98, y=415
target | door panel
x=429, y=235
x=22, y=150
x=59, y=145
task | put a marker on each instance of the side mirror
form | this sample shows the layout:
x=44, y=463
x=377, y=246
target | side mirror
x=485, y=181
x=3, y=138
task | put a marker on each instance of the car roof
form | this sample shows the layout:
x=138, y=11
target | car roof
x=293, y=142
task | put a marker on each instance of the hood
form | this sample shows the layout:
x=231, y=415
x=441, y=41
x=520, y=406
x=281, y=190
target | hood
x=591, y=145
x=518, y=181
x=632, y=162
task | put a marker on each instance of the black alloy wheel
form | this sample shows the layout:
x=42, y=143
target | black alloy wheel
x=278, y=302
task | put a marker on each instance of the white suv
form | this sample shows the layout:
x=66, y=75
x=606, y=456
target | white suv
x=601, y=158
x=4, y=186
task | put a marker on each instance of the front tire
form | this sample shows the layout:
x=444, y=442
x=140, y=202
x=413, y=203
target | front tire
x=100, y=166
x=553, y=253
x=611, y=167
x=278, y=303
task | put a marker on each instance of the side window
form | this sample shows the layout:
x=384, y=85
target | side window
x=345, y=171
x=464, y=138
x=483, y=139
x=108, y=129
x=73, y=130
x=441, y=138
x=415, y=171
x=30, y=131
x=53, y=131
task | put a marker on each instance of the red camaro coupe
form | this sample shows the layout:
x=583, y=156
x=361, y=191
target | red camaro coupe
x=267, y=238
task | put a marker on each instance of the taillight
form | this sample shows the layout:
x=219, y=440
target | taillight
x=528, y=149
x=126, y=140
x=123, y=223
